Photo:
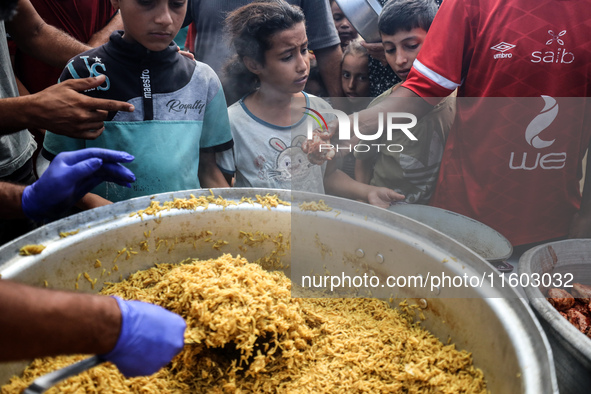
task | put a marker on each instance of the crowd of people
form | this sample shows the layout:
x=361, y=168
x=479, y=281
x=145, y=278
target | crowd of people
x=118, y=113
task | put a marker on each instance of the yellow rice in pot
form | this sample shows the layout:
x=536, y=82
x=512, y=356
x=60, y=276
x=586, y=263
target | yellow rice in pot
x=246, y=334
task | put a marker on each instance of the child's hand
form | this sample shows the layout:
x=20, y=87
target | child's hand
x=186, y=54
x=383, y=197
x=319, y=149
x=63, y=109
x=376, y=50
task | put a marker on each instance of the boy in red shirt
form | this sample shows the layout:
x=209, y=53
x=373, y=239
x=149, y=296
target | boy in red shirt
x=513, y=163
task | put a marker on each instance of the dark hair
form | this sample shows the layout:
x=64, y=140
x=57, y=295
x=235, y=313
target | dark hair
x=355, y=48
x=7, y=9
x=250, y=29
x=406, y=15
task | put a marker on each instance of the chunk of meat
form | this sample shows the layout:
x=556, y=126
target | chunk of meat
x=582, y=292
x=579, y=320
x=560, y=299
x=581, y=307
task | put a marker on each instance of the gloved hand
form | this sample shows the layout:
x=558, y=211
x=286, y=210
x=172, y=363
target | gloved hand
x=70, y=176
x=150, y=337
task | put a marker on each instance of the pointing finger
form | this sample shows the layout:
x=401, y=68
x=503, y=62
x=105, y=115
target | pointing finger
x=109, y=105
x=82, y=84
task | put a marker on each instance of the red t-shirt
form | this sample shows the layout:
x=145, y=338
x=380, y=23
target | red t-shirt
x=80, y=19
x=512, y=159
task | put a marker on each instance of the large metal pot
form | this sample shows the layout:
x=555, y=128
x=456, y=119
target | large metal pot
x=363, y=15
x=500, y=330
x=571, y=348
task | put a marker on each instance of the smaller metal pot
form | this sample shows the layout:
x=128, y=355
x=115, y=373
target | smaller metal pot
x=363, y=15
x=571, y=348
x=480, y=238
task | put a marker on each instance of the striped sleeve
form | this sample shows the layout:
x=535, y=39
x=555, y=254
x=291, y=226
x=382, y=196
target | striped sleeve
x=439, y=68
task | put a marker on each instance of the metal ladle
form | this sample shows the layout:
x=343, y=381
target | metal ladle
x=45, y=382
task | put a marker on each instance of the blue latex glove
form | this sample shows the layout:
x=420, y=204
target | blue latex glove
x=150, y=337
x=70, y=176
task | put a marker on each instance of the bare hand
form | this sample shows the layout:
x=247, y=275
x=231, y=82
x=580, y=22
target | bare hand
x=376, y=50
x=186, y=54
x=319, y=149
x=383, y=197
x=62, y=109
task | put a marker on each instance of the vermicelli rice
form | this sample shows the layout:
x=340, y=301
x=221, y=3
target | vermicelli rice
x=246, y=334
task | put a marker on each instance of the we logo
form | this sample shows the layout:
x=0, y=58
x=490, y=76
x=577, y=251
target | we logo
x=546, y=161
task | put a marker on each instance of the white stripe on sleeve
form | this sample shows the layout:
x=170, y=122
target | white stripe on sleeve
x=433, y=76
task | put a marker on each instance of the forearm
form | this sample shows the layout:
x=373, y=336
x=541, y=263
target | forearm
x=401, y=100
x=210, y=176
x=11, y=196
x=229, y=178
x=102, y=36
x=329, y=63
x=22, y=89
x=40, y=40
x=213, y=179
x=38, y=322
x=17, y=113
x=363, y=170
x=340, y=184
x=49, y=37
x=91, y=200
